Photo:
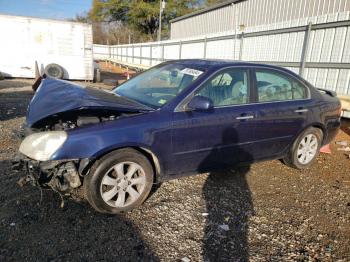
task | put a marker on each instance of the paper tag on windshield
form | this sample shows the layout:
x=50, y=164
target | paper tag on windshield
x=162, y=101
x=192, y=72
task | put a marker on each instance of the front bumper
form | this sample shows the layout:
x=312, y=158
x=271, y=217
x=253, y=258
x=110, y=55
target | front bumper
x=58, y=175
x=34, y=171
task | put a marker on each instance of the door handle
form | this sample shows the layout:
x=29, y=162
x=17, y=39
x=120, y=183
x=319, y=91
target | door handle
x=244, y=117
x=301, y=110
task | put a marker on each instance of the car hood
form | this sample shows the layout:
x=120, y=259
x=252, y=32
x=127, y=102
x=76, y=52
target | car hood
x=58, y=96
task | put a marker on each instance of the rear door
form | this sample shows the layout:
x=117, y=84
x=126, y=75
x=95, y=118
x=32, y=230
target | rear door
x=283, y=107
x=206, y=140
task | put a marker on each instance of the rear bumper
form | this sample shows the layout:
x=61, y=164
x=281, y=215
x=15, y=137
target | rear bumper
x=333, y=127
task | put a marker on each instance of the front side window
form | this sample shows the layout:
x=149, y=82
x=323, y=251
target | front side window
x=229, y=87
x=276, y=87
x=160, y=84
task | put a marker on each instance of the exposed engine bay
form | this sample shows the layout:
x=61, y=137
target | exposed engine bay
x=79, y=121
x=74, y=119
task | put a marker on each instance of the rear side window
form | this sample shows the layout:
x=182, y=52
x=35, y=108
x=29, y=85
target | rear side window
x=274, y=86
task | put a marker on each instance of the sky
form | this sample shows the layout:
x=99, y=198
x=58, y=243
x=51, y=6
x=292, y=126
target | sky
x=51, y=9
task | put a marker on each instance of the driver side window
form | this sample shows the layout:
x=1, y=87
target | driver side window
x=229, y=87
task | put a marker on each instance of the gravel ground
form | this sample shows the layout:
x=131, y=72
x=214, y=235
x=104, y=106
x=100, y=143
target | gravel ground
x=265, y=212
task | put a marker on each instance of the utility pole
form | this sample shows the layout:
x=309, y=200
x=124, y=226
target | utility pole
x=161, y=8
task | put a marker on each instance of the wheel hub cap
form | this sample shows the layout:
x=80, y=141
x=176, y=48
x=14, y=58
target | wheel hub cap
x=124, y=184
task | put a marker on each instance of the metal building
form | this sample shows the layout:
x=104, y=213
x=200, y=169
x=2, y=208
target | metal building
x=251, y=15
x=309, y=37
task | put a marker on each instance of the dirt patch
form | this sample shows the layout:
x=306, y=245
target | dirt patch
x=10, y=84
x=265, y=212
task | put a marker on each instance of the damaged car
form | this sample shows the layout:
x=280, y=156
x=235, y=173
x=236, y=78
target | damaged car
x=178, y=118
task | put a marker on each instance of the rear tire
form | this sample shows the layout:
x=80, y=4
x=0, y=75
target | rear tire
x=118, y=182
x=305, y=149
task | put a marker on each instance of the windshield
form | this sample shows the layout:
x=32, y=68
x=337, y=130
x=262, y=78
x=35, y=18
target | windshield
x=159, y=85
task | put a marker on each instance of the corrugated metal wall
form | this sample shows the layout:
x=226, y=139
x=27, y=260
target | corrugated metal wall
x=216, y=35
x=256, y=14
x=327, y=56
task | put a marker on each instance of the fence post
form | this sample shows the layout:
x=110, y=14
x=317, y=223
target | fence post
x=140, y=54
x=163, y=52
x=150, y=55
x=132, y=52
x=241, y=47
x=305, y=49
x=234, y=37
x=180, y=49
x=205, y=48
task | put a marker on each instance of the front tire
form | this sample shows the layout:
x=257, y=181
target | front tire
x=305, y=149
x=119, y=182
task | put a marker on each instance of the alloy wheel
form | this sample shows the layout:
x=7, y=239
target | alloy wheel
x=123, y=184
x=307, y=149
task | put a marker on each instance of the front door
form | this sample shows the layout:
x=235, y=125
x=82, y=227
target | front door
x=218, y=138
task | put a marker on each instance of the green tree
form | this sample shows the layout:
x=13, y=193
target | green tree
x=113, y=21
x=141, y=16
x=214, y=2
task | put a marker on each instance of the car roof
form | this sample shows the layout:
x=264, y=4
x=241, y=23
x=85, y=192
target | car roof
x=221, y=63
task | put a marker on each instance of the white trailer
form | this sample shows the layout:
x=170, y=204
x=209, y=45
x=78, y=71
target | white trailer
x=26, y=40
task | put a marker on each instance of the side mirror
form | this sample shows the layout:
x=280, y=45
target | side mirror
x=200, y=103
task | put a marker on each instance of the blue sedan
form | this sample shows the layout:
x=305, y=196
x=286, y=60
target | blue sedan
x=176, y=119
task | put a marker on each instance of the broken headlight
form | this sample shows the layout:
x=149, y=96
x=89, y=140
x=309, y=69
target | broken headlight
x=41, y=146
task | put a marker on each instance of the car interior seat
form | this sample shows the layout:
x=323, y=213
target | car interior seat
x=238, y=95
